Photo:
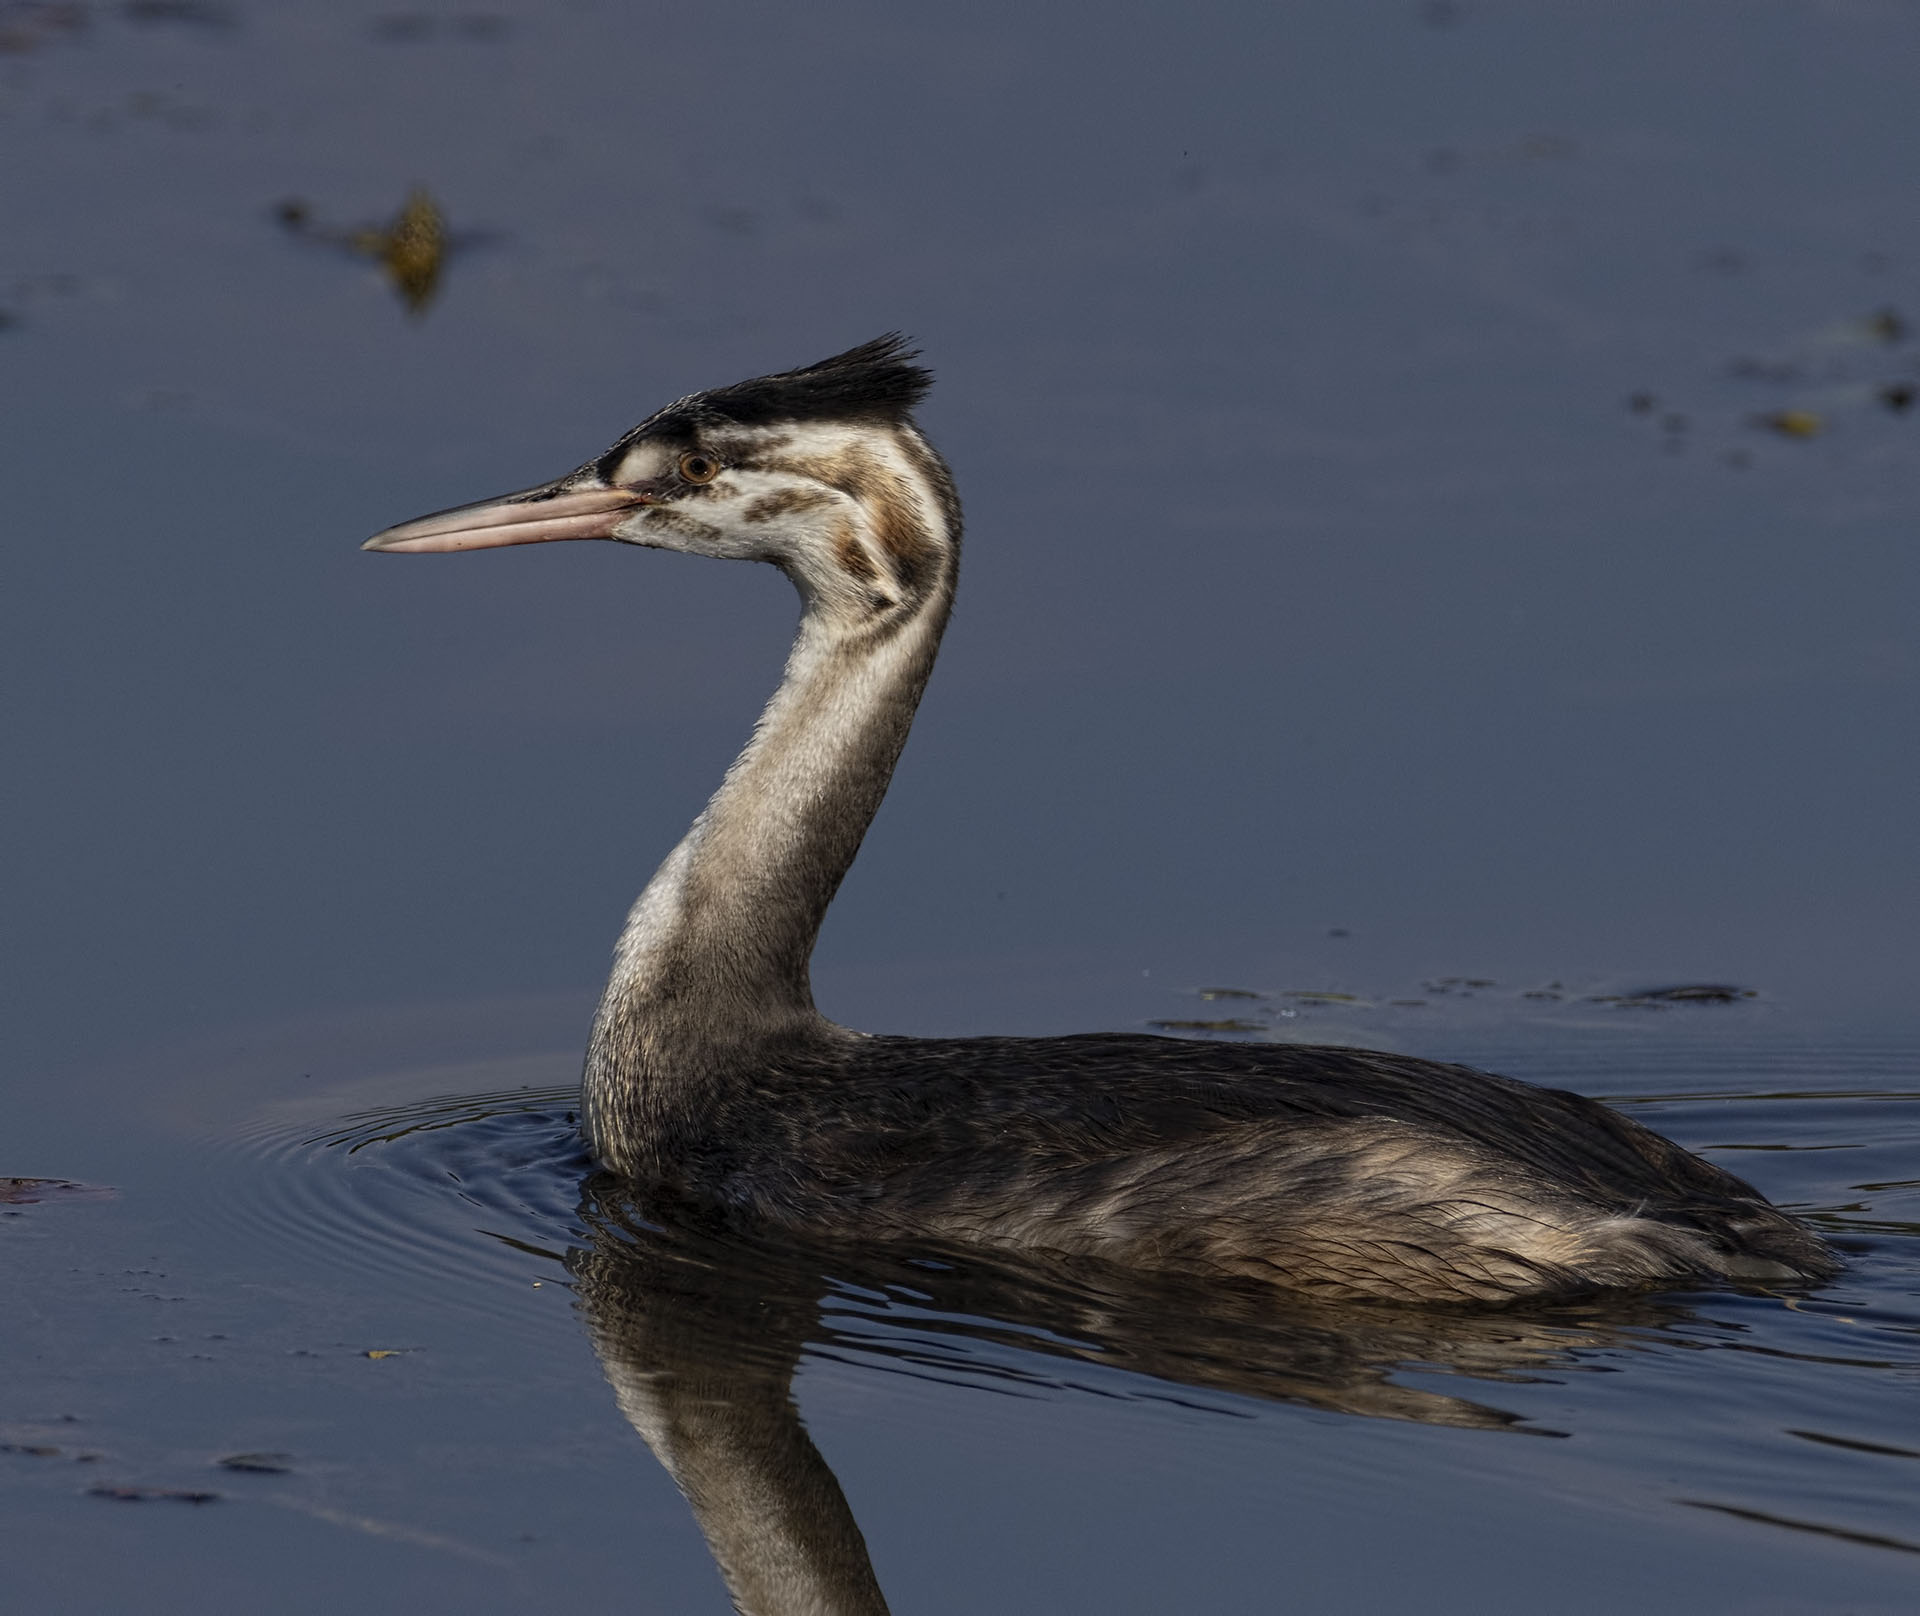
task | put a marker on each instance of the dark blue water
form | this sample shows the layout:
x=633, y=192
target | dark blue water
x=386, y=1289
x=1441, y=495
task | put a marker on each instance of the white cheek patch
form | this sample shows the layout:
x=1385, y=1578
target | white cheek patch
x=641, y=462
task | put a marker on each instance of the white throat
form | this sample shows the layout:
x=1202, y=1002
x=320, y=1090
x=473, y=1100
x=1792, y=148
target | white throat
x=713, y=962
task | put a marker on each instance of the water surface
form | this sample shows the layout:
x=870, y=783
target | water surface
x=401, y=1307
x=1441, y=513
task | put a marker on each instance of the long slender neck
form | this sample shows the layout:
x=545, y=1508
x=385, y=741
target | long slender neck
x=712, y=968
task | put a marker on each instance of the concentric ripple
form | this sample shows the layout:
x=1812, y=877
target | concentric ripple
x=463, y=1196
x=473, y=1186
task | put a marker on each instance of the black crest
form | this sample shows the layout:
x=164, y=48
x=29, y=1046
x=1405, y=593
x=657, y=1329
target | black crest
x=876, y=381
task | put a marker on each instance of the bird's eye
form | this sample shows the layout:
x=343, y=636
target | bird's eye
x=699, y=468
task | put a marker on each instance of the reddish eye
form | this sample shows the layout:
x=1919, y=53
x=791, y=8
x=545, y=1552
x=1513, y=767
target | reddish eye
x=699, y=468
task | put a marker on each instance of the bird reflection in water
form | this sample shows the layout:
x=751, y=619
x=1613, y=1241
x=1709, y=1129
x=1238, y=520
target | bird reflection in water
x=699, y=1334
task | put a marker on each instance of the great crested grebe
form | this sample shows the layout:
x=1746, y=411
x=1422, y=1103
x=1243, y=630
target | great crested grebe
x=710, y=1075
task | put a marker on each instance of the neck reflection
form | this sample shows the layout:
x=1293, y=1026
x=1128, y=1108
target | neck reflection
x=700, y=1354
x=699, y=1332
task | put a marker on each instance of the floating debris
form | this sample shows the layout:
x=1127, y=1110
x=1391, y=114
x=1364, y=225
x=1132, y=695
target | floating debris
x=388, y=1352
x=27, y=1191
x=142, y=1495
x=1234, y=1024
x=412, y=247
x=1792, y=423
x=1819, y=381
x=1684, y=993
x=1885, y=325
x=258, y=1464
x=1439, y=993
x=26, y=25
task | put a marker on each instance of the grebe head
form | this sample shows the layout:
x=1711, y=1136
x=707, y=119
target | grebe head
x=819, y=471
